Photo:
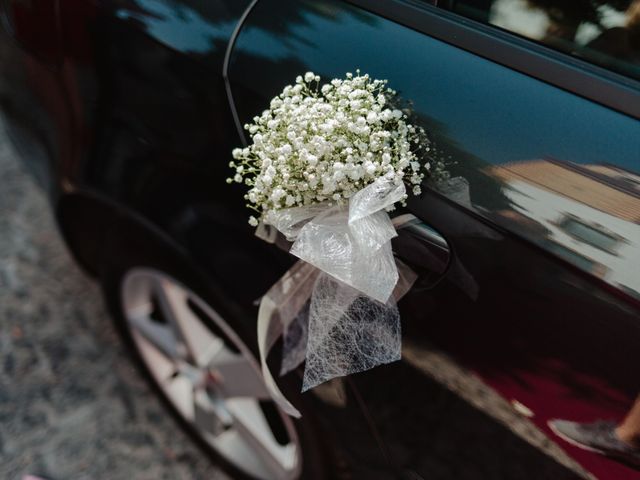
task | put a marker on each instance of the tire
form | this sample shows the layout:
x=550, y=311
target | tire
x=125, y=272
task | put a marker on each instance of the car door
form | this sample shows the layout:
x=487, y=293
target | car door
x=541, y=216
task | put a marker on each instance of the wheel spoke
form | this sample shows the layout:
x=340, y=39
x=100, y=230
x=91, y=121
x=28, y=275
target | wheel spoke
x=239, y=378
x=180, y=391
x=252, y=427
x=160, y=336
x=199, y=342
x=162, y=366
x=205, y=343
x=210, y=412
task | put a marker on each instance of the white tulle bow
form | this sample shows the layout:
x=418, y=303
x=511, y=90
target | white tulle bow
x=349, y=273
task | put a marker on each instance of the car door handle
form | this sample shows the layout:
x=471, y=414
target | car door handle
x=422, y=248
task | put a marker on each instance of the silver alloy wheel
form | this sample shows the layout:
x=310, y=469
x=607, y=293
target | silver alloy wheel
x=212, y=379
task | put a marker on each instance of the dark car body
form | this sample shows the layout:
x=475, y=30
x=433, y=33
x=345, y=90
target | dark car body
x=130, y=109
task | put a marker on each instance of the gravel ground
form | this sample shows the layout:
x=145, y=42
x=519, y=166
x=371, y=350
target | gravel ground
x=71, y=404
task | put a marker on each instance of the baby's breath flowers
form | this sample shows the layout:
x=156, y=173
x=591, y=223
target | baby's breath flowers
x=322, y=144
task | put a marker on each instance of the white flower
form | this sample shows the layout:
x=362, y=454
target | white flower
x=277, y=194
x=325, y=143
x=253, y=221
x=370, y=167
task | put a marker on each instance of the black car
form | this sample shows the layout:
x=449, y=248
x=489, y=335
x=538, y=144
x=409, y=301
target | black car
x=528, y=255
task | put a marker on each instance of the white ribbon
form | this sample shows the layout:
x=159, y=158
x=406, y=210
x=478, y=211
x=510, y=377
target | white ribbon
x=349, y=273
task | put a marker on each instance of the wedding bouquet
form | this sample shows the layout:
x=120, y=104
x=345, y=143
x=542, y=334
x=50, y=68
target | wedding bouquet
x=326, y=164
x=324, y=144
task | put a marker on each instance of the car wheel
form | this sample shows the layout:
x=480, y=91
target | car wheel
x=199, y=362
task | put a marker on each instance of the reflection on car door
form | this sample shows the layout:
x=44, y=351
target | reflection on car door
x=542, y=216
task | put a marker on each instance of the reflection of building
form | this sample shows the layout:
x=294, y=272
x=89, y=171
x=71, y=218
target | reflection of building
x=590, y=214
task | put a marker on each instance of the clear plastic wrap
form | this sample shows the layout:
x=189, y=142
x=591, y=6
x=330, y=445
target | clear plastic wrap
x=350, y=242
x=340, y=316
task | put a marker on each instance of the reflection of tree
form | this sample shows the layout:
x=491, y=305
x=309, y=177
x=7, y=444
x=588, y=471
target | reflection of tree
x=580, y=10
x=281, y=19
x=215, y=12
x=567, y=15
x=269, y=15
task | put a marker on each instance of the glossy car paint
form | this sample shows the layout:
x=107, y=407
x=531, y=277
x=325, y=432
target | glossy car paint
x=134, y=117
x=538, y=329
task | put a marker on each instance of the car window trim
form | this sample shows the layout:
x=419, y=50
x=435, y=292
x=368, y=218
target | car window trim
x=225, y=70
x=587, y=80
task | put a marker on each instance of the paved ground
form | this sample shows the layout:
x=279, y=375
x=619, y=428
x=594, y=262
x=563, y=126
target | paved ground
x=71, y=404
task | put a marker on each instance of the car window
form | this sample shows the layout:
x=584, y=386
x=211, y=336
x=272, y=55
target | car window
x=604, y=32
x=594, y=235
